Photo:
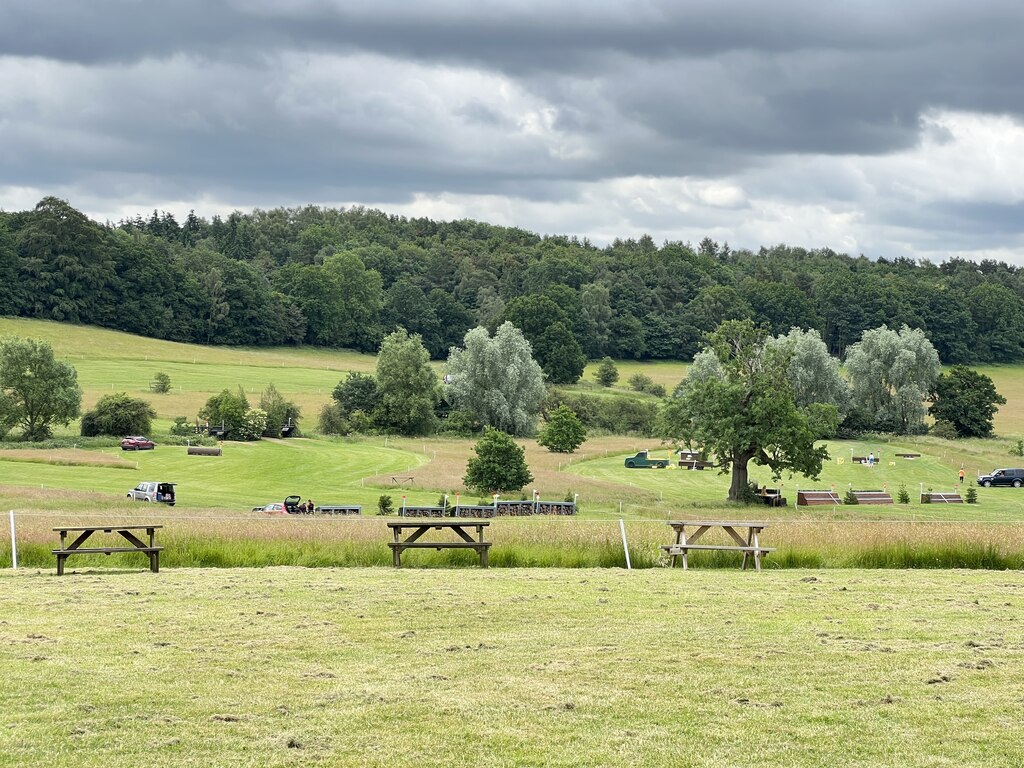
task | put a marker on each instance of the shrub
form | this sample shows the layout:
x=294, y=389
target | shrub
x=361, y=422
x=253, y=425
x=607, y=374
x=385, y=506
x=617, y=415
x=750, y=493
x=499, y=464
x=1018, y=449
x=161, y=383
x=902, y=496
x=332, y=421
x=118, y=414
x=926, y=497
x=357, y=392
x=182, y=427
x=564, y=432
x=279, y=412
x=849, y=498
x=627, y=415
x=641, y=382
x=460, y=424
x=227, y=408
x=971, y=497
x=944, y=429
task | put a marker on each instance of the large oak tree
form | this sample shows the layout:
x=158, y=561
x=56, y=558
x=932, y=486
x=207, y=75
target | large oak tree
x=737, y=402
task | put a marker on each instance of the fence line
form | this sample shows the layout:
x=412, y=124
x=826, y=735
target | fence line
x=344, y=519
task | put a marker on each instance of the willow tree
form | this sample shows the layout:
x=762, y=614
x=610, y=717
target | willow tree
x=495, y=380
x=738, y=402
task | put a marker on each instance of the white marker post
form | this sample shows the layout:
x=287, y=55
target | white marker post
x=625, y=546
x=14, y=544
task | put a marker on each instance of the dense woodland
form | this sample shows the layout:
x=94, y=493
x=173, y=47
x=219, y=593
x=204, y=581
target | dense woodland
x=345, y=278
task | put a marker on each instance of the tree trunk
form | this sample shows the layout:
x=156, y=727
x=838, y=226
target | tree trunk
x=739, y=476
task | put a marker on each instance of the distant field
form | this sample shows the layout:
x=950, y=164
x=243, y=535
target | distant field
x=113, y=361
x=109, y=361
x=359, y=470
x=376, y=667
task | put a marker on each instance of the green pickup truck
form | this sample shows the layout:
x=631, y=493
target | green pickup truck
x=643, y=461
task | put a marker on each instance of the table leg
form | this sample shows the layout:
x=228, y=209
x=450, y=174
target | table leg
x=686, y=560
x=60, y=564
x=757, y=548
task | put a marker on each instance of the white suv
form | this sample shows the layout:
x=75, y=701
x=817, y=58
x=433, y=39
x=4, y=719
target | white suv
x=162, y=492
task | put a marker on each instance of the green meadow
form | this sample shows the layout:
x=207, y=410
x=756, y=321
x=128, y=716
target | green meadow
x=377, y=667
x=215, y=494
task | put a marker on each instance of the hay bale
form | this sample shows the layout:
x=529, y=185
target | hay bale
x=202, y=450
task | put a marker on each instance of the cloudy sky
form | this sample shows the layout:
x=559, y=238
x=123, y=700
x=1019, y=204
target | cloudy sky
x=883, y=128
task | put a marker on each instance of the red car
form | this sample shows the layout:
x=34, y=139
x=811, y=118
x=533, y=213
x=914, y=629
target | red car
x=137, y=443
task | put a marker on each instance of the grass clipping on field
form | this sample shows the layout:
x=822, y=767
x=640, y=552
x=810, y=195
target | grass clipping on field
x=382, y=667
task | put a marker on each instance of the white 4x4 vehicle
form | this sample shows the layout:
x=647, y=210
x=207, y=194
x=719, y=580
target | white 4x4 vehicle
x=162, y=492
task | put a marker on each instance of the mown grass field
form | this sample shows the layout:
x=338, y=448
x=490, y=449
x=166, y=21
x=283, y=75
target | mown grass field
x=360, y=470
x=375, y=667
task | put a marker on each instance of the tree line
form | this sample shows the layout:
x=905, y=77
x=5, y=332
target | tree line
x=347, y=278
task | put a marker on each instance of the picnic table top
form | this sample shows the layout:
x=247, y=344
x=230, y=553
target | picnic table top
x=720, y=523
x=430, y=522
x=108, y=528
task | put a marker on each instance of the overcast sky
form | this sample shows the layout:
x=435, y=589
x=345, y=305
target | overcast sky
x=883, y=128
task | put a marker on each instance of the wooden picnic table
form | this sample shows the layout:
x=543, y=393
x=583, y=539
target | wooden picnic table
x=65, y=551
x=750, y=545
x=422, y=527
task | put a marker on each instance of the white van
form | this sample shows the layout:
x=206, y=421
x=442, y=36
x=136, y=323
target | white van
x=162, y=492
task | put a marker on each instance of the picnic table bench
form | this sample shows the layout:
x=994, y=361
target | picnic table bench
x=419, y=529
x=941, y=498
x=84, y=532
x=872, y=497
x=817, y=498
x=909, y=455
x=750, y=545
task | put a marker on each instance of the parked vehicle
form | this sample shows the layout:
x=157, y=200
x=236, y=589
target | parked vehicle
x=642, y=461
x=153, y=492
x=137, y=443
x=276, y=508
x=292, y=505
x=1014, y=477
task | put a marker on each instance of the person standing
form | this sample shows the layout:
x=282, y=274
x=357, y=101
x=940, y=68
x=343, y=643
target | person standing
x=960, y=475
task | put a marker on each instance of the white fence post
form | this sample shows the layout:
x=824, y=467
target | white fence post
x=14, y=544
x=625, y=546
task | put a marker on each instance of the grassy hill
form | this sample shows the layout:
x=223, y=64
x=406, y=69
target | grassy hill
x=109, y=361
x=359, y=470
x=112, y=361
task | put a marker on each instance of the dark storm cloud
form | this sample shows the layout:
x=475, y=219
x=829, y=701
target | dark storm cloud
x=286, y=101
